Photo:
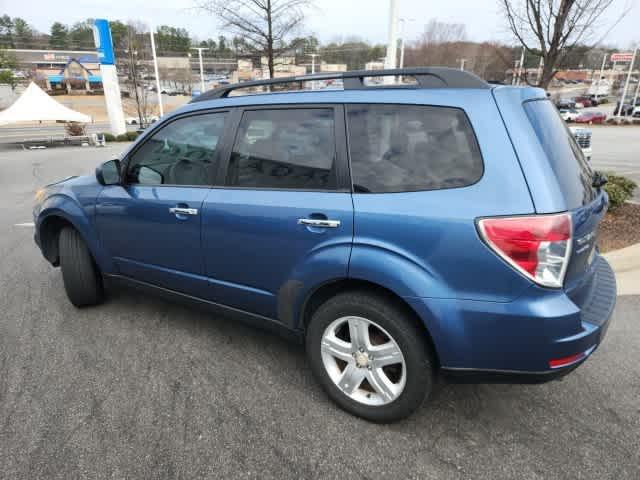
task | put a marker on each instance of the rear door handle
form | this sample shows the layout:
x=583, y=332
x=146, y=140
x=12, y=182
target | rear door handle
x=319, y=223
x=183, y=211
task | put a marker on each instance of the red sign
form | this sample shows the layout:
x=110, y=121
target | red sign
x=621, y=57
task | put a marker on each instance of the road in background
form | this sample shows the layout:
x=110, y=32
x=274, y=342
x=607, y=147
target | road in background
x=141, y=388
x=617, y=149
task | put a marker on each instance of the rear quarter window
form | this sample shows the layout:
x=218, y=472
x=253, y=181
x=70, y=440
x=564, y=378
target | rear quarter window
x=565, y=157
x=404, y=148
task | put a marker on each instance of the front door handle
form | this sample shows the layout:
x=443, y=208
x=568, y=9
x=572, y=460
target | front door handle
x=183, y=211
x=319, y=222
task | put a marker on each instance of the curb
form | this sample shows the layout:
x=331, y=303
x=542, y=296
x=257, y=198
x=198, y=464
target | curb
x=626, y=265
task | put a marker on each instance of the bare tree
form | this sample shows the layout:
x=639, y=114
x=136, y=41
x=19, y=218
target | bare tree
x=553, y=28
x=263, y=24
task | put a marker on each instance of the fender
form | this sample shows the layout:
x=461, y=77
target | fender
x=396, y=270
x=63, y=206
x=326, y=263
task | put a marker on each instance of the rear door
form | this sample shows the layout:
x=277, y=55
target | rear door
x=151, y=224
x=282, y=221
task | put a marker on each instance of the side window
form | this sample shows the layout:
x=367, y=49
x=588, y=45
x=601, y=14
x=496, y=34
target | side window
x=403, y=148
x=182, y=153
x=289, y=148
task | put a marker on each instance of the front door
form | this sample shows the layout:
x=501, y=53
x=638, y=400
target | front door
x=284, y=219
x=151, y=224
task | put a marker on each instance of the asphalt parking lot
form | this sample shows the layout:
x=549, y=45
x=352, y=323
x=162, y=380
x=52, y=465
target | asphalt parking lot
x=141, y=388
x=617, y=149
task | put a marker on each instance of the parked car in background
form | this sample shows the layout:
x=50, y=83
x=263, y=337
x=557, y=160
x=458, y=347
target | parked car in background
x=585, y=101
x=569, y=114
x=591, y=117
x=565, y=103
x=146, y=121
x=624, y=110
x=447, y=228
x=582, y=137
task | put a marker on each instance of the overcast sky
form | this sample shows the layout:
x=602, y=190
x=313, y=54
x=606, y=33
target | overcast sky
x=331, y=19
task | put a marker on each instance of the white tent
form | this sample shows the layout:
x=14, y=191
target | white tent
x=36, y=105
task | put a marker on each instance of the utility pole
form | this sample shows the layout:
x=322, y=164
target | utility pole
x=626, y=83
x=604, y=61
x=200, y=49
x=392, y=44
x=155, y=69
x=462, y=62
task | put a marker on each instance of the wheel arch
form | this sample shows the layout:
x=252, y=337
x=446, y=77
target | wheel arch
x=57, y=214
x=49, y=233
x=325, y=291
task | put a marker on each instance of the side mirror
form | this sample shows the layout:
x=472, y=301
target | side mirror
x=109, y=173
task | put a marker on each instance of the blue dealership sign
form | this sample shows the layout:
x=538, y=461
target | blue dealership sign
x=102, y=39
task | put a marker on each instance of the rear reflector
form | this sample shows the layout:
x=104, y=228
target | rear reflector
x=538, y=246
x=563, y=362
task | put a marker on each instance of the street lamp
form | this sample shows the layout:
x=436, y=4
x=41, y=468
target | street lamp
x=200, y=49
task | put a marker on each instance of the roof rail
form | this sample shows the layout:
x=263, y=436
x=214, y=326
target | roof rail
x=427, y=77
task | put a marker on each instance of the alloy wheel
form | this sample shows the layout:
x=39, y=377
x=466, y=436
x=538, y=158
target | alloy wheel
x=363, y=360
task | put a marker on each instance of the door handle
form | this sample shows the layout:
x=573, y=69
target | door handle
x=319, y=223
x=183, y=211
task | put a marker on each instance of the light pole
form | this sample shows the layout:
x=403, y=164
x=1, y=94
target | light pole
x=155, y=69
x=520, y=67
x=313, y=62
x=604, y=61
x=200, y=49
x=626, y=83
x=539, y=72
x=313, y=68
x=392, y=43
x=402, y=22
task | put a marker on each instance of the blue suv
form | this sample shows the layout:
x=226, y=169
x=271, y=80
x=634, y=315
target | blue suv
x=439, y=225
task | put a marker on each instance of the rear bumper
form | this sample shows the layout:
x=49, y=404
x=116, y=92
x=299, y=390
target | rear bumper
x=515, y=342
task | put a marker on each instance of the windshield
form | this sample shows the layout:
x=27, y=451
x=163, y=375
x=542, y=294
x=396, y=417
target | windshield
x=565, y=156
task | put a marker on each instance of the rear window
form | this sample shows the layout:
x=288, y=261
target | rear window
x=404, y=148
x=567, y=161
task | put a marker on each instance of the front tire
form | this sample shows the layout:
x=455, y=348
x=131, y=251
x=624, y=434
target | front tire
x=81, y=278
x=370, y=356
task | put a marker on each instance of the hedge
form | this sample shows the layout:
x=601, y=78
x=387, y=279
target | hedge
x=619, y=188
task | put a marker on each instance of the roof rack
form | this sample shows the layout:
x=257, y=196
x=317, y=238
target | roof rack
x=426, y=77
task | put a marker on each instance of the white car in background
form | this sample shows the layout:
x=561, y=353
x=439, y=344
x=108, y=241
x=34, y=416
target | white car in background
x=569, y=114
x=136, y=120
x=583, y=139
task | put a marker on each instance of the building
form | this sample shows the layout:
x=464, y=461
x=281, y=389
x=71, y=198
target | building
x=374, y=66
x=333, y=67
x=70, y=70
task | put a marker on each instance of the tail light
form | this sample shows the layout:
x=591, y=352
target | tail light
x=538, y=246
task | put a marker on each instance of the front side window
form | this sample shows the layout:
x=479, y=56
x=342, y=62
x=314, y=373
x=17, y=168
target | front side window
x=404, y=148
x=182, y=153
x=284, y=149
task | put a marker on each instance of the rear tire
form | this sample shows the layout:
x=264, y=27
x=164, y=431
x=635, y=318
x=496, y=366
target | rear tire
x=387, y=326
x=81, y=278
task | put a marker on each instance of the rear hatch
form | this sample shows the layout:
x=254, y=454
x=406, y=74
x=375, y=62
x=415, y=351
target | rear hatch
x=585, y=203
